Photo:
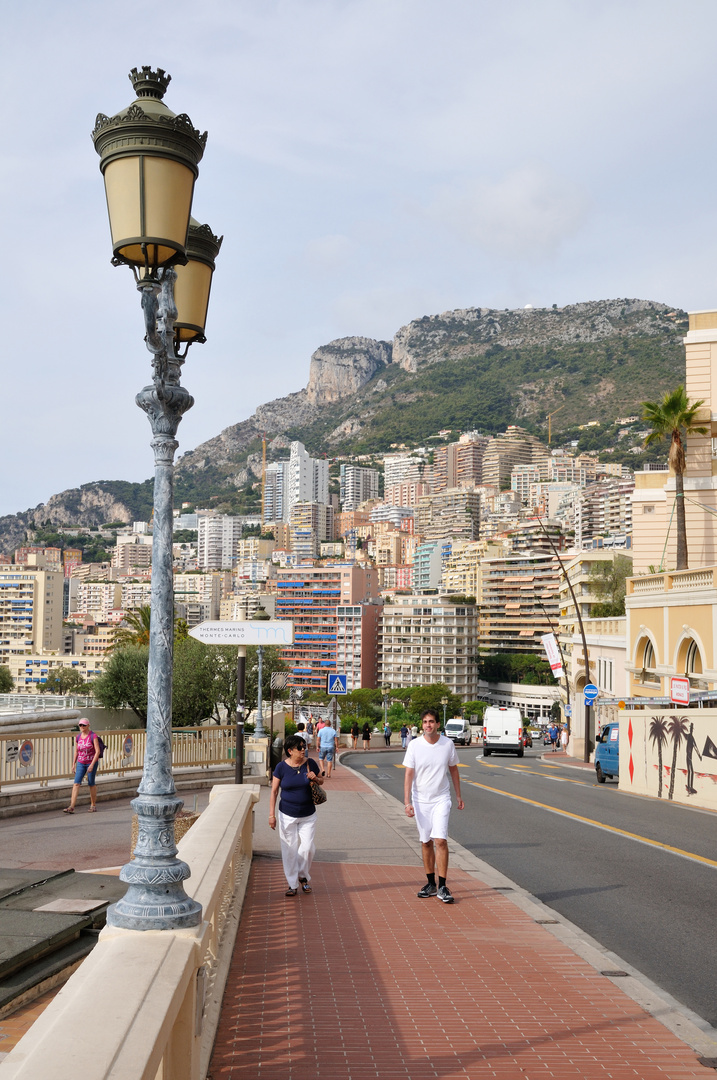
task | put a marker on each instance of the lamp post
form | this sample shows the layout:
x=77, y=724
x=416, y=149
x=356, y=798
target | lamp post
x=260, y=615
x=149, y=158
x=444, y=703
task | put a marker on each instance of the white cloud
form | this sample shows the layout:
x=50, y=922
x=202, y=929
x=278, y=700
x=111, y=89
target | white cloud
x=526, y=214
x=328, y=252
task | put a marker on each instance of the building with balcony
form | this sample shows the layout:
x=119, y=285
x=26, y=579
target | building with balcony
x=510, y=448
x=31, y=670
x=604, y=509
x=197, y=596
x=310, y=596
x=519, y=600
x=357, y=628
x=453, y=514
x=428, y=640
x=31, y=605
x=357, y=485
x=217, y=538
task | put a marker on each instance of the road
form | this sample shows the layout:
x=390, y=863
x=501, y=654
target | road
x=639, y=875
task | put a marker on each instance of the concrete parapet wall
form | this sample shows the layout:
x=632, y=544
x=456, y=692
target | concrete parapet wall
x=156, y=993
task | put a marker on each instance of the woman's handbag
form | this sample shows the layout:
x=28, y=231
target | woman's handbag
x=317, y=793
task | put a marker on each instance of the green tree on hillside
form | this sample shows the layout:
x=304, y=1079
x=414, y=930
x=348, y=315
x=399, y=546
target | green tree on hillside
x=669, y=419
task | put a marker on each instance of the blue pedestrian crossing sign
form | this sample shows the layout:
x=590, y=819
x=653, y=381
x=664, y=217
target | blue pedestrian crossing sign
x=336, y=684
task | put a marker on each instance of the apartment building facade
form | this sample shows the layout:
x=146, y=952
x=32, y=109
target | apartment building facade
x=310, y=596
x=450, y=514
x=519, y=600
x=217, y=538
x=31, y=603
x=425, y=640
x=357, y=485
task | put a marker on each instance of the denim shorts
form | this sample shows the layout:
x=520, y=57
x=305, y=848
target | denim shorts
x=327, y=755
x=81, y=770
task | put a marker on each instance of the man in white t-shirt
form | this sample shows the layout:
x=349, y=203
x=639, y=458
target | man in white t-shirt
x=427, y=796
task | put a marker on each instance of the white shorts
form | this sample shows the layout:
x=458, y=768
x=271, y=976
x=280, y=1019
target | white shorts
x=432, y=820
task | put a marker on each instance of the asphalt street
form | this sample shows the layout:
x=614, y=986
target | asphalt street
x=637, y=874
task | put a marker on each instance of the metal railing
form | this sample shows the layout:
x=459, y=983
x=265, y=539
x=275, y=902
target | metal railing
x=14, y=703
x=46, y=757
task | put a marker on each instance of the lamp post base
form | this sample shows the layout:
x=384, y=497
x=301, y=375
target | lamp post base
x=155, y=899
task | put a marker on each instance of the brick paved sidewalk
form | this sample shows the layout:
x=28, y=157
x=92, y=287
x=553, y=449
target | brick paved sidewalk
x=361, y=979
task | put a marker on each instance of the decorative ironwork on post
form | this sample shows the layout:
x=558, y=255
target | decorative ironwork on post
x=149, y=159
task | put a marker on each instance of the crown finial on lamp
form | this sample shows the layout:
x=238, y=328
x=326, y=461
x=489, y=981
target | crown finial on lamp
x=149, y=83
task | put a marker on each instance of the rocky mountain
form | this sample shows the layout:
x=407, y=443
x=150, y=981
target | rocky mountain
x=474, y=368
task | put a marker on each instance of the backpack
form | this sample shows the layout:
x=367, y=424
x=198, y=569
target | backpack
x=100, y=742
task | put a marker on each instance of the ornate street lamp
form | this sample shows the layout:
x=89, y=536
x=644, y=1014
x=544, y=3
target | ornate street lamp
x=444, y=703
x=149, y=159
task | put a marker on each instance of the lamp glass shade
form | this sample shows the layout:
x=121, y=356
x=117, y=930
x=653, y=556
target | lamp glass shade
x=191, y=296
x=149, y=199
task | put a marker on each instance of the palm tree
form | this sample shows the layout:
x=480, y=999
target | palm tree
x=677, y=730
x=658, y=735
x=136, y=628
x=669, y=418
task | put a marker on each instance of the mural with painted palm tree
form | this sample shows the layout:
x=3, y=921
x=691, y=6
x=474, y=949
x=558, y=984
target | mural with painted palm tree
x=669, y=419
x=677, y=731
x=658, y=736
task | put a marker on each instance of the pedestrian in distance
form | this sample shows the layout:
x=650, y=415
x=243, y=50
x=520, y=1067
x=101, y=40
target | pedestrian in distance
x=387, y=733
x=310, y=731
x=553, y=733
x=428, y=763
x=564, y=738
x=404, y=736
x=303, y=734
x=354, y=734
x=327, y=746
x=414, y=732
x=84, y=763
x=366, y=735
x=297, y=813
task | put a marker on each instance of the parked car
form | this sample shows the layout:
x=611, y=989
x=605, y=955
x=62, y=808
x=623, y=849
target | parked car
x=527, y=737
x=607, y=752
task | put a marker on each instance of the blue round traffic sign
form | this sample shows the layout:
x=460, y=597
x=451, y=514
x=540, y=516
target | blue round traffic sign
x=591, y=691
x=26, y=752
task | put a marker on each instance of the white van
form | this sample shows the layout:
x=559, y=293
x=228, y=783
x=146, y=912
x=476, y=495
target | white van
x=459, y=730
x=502, y=731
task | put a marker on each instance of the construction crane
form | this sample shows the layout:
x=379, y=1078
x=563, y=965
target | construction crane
x=550, y=417
x=263, y=477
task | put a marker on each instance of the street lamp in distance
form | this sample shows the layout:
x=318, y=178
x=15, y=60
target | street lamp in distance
x=444, y=703
x=149, y=158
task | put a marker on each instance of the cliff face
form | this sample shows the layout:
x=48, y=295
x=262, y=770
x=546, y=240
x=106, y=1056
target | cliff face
x=339, y=406
x=343, y=366
x=472, y=331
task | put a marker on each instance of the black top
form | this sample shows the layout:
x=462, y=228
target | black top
x=367, y=731
x=295, y=788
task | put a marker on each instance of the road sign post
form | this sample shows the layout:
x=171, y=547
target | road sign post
x=591, y=692
x=336, y=684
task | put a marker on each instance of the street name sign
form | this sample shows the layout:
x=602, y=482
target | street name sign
x=680, y=691
x=258, y=632
x=336, y=684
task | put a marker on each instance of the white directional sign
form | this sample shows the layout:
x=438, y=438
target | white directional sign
x=258, y=632
x=336, y=684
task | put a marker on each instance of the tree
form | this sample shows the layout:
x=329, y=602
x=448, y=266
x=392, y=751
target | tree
x=123, y=685
x=6, y=684
x=658, y=735
x=609, y=584
x=429, y=697
x=192, y=683
x=64, y=680
x=475, y=708
x=136, y=630
x=669, y=418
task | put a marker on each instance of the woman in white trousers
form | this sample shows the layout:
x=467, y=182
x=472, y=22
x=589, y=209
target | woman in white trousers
x=297, y=813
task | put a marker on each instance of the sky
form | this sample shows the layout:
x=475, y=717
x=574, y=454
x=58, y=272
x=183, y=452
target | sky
x=368, y=162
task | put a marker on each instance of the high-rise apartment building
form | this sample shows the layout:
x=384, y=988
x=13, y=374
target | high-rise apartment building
x=132, y=553
x=357, y=644
x=406, y=494
x=402, y=468
x=604, y=509
x=218, y=537
x=312, y=524
x=426, y=640
x=276, y=491
x=310, y=596
x=197, y=596
x=508, y=449
x=98, y=598
x=308, y=479
x=459, y=464
x=519, y=600
x=357, y=486
x=30, y=610
x=453, y=513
